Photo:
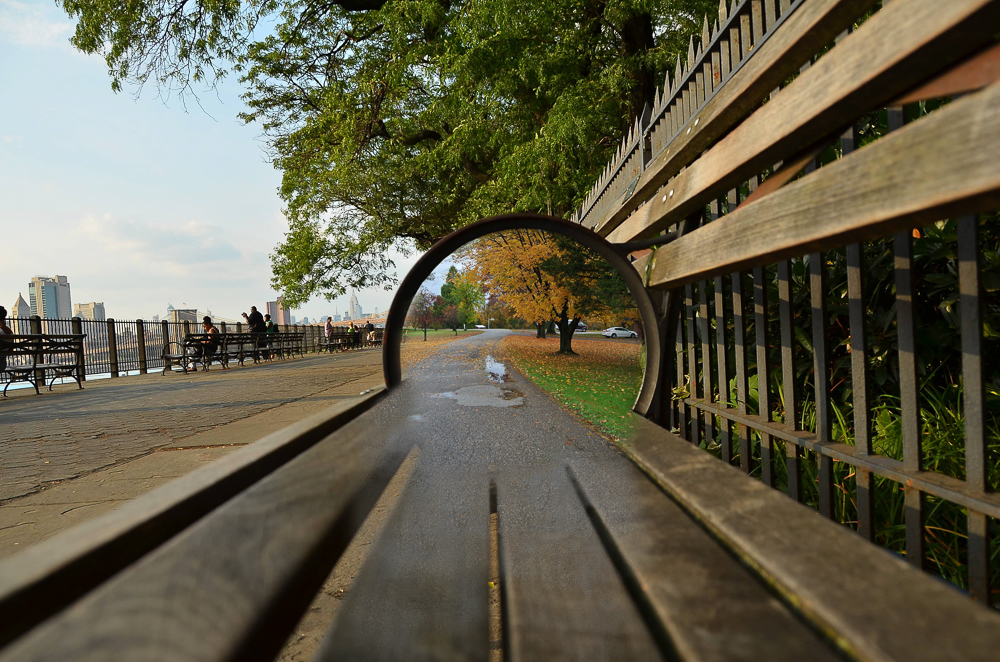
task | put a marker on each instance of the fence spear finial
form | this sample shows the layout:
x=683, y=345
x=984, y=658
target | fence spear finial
x=690, y=62
x=704, y=33
x=723, y=12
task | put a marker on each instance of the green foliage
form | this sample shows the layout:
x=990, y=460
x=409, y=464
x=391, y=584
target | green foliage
x=592, y=282
x=395, y=122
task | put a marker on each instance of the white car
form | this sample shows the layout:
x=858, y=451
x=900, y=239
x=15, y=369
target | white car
x=616, y=331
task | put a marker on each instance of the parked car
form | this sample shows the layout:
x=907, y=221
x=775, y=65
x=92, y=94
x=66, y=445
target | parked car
x=581, y=327
x=616, y=331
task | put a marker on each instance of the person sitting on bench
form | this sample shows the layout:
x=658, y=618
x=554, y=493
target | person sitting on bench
x=4, y=344
x=210, y=345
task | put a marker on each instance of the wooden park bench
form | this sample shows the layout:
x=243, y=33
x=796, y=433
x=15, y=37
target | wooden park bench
x=727, y=173
x=41, y=358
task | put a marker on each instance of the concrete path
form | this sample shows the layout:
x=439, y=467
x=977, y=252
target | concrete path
x=70, y=455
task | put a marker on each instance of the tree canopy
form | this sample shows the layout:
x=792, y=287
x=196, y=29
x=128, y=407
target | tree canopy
x=396, y=121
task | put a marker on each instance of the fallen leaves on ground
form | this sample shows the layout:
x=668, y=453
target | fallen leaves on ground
x=599, y=383
x=414, y=349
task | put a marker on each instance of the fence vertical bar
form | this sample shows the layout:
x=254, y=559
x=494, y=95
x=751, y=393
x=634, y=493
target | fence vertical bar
x=692, y=357
x=761, y=315
x=793, y=454
x=908, y=395
x=821, y=378
x=112, y=347
x=722, y=361
x=707, y=386
x=739, y=341
x=973, y=412
x=81, y=361
x=682, y=407
x=140, y=335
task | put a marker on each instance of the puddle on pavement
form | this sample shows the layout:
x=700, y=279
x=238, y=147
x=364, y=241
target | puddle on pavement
x=495, y=371
x=484, y=396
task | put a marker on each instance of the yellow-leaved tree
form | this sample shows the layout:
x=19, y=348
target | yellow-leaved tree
x=522, y=267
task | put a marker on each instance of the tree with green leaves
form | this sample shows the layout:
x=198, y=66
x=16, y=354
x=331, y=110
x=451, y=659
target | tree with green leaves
x=395, y=122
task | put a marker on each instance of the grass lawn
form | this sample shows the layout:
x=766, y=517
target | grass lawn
x=599, y=384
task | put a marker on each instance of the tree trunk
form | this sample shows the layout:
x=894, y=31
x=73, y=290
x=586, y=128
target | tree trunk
x=540, y=330
x=425, y=334
x=566, y=328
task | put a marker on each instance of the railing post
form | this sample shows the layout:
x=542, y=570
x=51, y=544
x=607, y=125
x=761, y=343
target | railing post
x=112, y=347
x=36, y=329
x=239, y=327
x=187, y=327
x=222, y=328
x=140, y=335
x=81, y=362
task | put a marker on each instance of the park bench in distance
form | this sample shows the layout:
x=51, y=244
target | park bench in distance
x=220, y=564
x=232, y=347
x=32, y=358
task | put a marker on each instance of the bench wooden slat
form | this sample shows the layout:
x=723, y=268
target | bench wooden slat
x=61, y=569
x=422, y=594
x=233, y=585
x=709, y=606
x=563, y=599
x=943, y=165
x=893, y=51
x=812, y=25
x=873, y=602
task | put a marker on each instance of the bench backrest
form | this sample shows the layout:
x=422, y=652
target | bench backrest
x=806, y=144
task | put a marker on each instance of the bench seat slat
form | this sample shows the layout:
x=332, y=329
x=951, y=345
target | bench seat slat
x=563, y=598
x=61, y=569
x=422, y=593
x=873, y=602
x=258, y=559
x=711, y=608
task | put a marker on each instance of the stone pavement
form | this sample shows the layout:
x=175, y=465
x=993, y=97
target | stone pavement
x=70, y=455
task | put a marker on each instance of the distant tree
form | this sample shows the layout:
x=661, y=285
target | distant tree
x=422, y=310
x=508, y=264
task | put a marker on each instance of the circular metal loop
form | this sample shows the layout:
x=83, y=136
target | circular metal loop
x=443, y=249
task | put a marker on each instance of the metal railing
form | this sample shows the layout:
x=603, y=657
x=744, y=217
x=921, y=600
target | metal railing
x=115, y=348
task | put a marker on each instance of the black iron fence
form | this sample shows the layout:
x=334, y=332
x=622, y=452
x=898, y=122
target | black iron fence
x=115, y=348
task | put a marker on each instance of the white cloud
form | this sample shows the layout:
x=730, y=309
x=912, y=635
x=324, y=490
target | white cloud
x=33, y=24
x=171, y=247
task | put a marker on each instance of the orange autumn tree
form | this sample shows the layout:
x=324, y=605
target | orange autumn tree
x=509, y=265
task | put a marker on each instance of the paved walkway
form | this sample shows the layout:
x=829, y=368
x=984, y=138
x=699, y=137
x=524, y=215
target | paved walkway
x=70, y=455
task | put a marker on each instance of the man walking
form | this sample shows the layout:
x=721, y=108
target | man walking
x=328, y=332
x=256, y=322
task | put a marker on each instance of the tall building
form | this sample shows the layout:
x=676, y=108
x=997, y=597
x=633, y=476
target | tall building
x=279, y=314
x=49, y=297
x=354, y=308
x=20, y=314
x=90, y=311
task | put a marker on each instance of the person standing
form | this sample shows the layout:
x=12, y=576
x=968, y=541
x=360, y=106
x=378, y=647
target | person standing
x=328, y=332
x=256, y=322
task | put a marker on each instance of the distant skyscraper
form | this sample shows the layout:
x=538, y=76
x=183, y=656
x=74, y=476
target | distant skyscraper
x=49, y=297
x=354, y=308
x=278, y=313
x=20, y=313
x=90, y=311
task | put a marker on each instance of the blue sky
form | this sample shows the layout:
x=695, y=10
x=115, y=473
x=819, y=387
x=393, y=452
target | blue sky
x=137, y=201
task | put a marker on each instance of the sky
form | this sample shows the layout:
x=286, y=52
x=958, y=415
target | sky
x=139, y=202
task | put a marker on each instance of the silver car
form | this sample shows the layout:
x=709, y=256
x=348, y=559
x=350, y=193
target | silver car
x=616, y=331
